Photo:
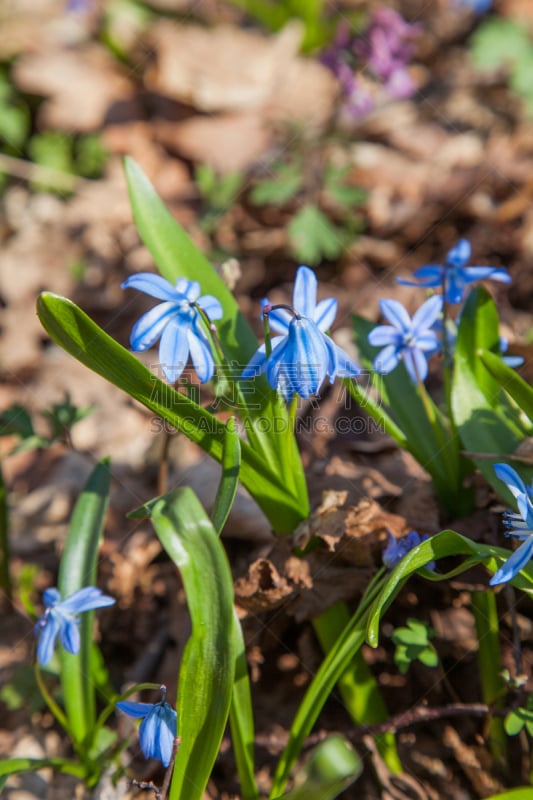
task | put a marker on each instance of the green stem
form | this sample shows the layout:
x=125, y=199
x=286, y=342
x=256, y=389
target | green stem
x=51, y=703
x=5, y=575
x=486, y=618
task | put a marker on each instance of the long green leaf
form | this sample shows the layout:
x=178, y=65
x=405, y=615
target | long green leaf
x=231, y=464
x=208, y=666
x=435, y=450
x=336, y=662
x=330, y=769
x=78, y=568
x=523, y=793
x=176, y=256
x=242, y=719
x=486, y=422
x=14, y=766
x=71, y=328
x=510, y=381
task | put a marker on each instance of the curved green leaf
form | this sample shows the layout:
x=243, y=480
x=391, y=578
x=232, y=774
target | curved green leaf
x=523, y=793
x=330, y=769
x=510, y=381
x=242, y=719
x=208, y=665
x=231, y=464
x=14, y=766
x=71, y=328
x=78, y=568
x=442, y=545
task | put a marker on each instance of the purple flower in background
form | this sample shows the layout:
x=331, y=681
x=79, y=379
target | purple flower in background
x=387, y=49
x=177, y=322
x=158, y=729
x=303, y=355
x=454, y=276
x=519, y=525
x=60, y=619
x=410, y=340
x=396, y=549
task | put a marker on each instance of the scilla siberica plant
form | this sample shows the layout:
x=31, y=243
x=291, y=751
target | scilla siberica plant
x=213, y=684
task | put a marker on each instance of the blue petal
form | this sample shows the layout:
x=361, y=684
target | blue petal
x=454, y=286
x=308, y=356
x=428, y=341
x=430, y=275
x=51, y=597
x=325, y=313
x=383, y=335
x=395, y=313
x=211, y=306
x=415, y=363
x=154, y=285
x=279, y=320
x=304, y=296
x=460, y=254
x=136, y=710
x=514, y=563
x=346, y=367
x=157, y=733
x=426, y=315
x=257, y=363
x=387, y=360
x=473, y=274
x=150, y=326
x=274, y=362
x=333, y=350
x=201, y=354
x=47, y=637
x=190, y=289
x=174, y=350
x=511, y=478
x=86, y=599
x=70, y=636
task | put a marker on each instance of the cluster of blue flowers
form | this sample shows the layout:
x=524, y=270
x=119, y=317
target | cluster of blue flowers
x=158, y=729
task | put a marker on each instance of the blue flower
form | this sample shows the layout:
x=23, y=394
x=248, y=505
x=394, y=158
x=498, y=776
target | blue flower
x=178, y=322
x=303, y=355
x=158, y=728
x=518, y=525
x=398, y=548
x=477, y=6
x=454, y=276
x=409, y=339
x=59, y=619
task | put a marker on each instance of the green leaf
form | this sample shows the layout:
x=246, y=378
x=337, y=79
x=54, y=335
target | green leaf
x=208, y=665
x=14, y=766
x=283, y=186
x=81, y=337
x=337, y=660
x=442, y=545
x=510, y=381
x=435, y=449
x=332, y=766
x=313, y=237
x=499, y=42
x=14, y=125
x=343, y=193
x=231, y=464
x=242, y=718
x=486, y=421
x=16, y=421
x=523, y=793
x=513, y=724
x=78, y=568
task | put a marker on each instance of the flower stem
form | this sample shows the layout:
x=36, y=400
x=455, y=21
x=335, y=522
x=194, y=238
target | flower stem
x=50, y=702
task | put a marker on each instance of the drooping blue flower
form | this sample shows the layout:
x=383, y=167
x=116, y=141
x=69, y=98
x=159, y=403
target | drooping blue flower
x=454, y=276
x=60, y=619
x=397, y=549
x=412, y=340
x=303, y=355
x=177, y=322
x=158, y=728
x=519, y=525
